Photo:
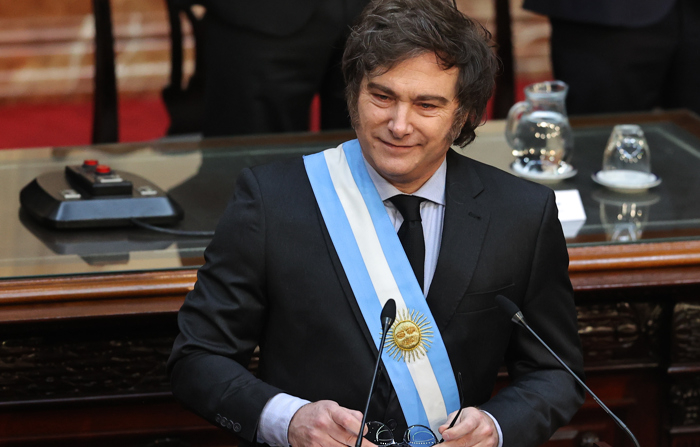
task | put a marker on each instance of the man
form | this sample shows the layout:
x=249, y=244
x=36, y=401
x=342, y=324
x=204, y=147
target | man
x=307, y=252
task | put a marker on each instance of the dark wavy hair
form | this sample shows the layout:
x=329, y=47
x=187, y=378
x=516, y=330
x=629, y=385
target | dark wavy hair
x=389, y=32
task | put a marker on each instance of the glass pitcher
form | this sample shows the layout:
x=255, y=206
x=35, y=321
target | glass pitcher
x=539, y=133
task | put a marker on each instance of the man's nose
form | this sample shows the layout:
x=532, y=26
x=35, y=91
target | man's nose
x=400, y=122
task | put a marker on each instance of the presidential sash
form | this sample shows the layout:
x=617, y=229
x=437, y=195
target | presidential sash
x=377, y=268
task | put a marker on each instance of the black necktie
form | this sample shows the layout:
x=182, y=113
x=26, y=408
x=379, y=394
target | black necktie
x=411, y=233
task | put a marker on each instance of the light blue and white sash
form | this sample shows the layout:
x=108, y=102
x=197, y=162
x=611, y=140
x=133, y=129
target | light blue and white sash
x=378, y=269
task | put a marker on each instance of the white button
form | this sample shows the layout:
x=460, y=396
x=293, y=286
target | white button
x=70, y=194
x=147, y=191
x=114, y=178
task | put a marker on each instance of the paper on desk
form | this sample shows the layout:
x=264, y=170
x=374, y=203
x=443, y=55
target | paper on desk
x=571, y=213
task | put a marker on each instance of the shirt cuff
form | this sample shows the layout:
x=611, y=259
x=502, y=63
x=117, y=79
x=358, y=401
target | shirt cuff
x=498, y=427
x=275, y=419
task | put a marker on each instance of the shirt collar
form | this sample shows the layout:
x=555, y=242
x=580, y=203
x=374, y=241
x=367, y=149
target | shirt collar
x=433, y=189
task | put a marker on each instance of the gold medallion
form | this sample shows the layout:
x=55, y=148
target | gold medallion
x=409, y=336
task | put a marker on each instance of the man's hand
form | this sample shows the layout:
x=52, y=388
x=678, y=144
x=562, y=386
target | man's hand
x=325, y=423
x=474, y=428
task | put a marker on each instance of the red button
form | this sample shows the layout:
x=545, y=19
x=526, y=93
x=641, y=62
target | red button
x=103, y=169
x=90, y=162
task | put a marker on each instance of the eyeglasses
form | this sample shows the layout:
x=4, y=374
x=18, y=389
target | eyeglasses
x=416, y=435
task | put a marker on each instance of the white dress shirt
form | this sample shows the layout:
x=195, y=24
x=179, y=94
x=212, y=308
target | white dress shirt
x=278, y=412
x=432, y=213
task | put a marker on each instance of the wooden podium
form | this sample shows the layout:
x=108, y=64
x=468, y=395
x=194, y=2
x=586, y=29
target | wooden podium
x=88, y=318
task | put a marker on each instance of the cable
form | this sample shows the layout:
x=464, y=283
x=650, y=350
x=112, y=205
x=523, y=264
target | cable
x=142, y=224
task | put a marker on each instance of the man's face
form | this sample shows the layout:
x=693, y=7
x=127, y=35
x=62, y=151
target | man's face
x=404, y=118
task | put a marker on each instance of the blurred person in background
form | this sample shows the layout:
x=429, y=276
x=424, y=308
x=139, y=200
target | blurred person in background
x=266, y=60
x=625, y=55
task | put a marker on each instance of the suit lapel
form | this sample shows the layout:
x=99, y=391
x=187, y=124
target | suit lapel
x=462, y=237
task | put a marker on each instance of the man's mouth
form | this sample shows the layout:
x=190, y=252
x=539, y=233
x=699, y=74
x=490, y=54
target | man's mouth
x=395, y=145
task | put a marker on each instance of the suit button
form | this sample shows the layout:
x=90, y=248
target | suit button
x=218, y=419
x=223, y=421
x=391, y=423
x=236, y=427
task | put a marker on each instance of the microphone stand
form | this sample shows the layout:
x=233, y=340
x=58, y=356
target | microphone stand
x=517, y=317
x=580, y=382
x=388, y=316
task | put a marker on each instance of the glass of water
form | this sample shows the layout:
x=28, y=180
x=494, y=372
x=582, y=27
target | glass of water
x=627, y=150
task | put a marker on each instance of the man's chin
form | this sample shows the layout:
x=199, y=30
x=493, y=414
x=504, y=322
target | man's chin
x=395, y=174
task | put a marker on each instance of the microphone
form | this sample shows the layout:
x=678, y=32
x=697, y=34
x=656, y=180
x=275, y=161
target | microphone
x=387, y=318
x=388, y=314
x=511, y=309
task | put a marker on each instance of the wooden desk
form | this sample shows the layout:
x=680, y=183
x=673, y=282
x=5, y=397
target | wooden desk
x=88, y=317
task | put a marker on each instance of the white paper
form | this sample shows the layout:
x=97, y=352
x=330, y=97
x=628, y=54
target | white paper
x=571, y=213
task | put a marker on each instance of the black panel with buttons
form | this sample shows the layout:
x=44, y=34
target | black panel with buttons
x=95, y=195
x=98, y=179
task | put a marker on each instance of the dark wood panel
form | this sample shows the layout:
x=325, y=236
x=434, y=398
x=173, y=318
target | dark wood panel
x=135, y=424
x=683, y=118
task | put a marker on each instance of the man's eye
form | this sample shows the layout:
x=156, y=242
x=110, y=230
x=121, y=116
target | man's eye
x=381, y=97
x=427, y=106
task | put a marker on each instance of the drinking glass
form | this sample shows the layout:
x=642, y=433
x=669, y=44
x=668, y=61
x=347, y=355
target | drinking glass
x=627, y=150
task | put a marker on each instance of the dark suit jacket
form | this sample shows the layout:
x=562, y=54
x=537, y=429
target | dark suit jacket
x=626, y=13
x=274, y=17
x=272, y=278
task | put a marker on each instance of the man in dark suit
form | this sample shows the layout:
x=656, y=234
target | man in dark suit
x=621, y=55
x=307, y=252
x=273, y=56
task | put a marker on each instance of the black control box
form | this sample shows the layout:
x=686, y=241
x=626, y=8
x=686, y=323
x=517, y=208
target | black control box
x=95, y=195
x=97, y=179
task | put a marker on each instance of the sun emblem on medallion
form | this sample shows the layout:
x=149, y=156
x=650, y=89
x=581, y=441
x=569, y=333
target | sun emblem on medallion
x=409, y=336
